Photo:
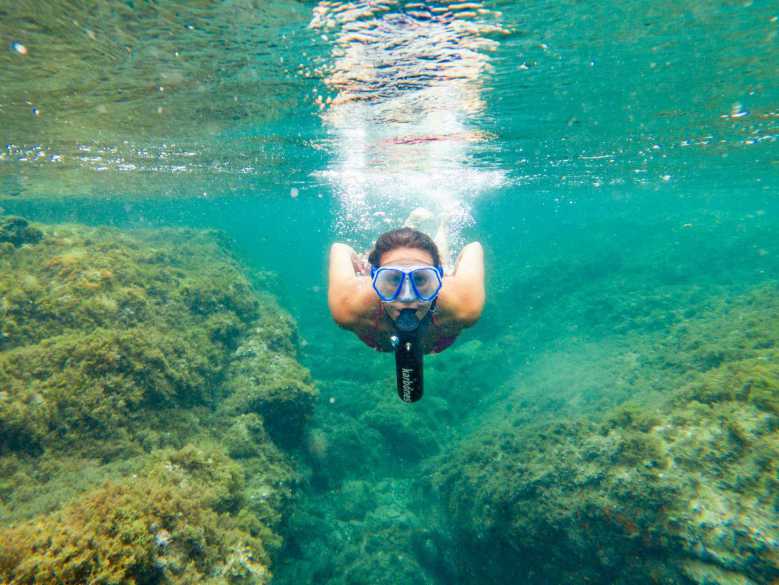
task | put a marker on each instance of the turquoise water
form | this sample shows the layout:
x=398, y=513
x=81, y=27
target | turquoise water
x=617, y=161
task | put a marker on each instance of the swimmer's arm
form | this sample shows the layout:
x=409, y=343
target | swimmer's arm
x=462, y=296
x=350, y=296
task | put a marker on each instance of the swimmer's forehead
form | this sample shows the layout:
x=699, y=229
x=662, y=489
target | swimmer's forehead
x=407, y=257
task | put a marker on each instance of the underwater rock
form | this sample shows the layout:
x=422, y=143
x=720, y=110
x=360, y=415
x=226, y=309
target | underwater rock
x=18, y=231
x=100, y=335
x=683, y=490
x=80, y=387
x=178, y=522
x=263, y=378
x=375, y=539
x=113, y=352
x=79, y=278
x=344, y=448
x=408, y=437
x=245, y=436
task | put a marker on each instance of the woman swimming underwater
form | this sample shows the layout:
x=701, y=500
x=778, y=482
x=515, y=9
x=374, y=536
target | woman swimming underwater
x=403, y=288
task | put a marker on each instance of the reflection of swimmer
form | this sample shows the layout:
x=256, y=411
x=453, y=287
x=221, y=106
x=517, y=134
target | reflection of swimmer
x=386, y=50
x=470, y=136
x=401, y=287
x=404, y=79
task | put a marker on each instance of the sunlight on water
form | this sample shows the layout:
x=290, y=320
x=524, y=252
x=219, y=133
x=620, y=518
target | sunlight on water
x=406, y=83
x=137, y=97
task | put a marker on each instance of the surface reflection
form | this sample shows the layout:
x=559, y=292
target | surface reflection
x=406, y=83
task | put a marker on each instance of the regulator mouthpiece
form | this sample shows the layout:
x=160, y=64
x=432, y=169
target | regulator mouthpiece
x=407, y=321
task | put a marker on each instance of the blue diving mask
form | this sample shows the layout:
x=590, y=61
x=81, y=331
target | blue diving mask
x=407, y=284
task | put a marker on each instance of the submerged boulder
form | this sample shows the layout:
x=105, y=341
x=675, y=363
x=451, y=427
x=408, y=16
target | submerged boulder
x=371, y=536
x=178, y=522
x=97, y=336
x=685, y=490
x=263, y=378
x=125, y=455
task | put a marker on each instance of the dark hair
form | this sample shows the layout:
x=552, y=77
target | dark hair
x=403, y=238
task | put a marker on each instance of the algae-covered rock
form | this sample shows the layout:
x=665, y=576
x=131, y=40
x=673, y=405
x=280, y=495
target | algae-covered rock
x=114, y=354
x=684, y=490
x=98, y=330
x=97, y=385
x=79, y=278
x=263, y=380
x=344, y=448
x=408, y=438
x=178, y=522
x=18, y=231
x=374, y=537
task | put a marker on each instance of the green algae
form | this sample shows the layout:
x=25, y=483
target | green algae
x=132, y=438
x=96, y=385
x=93, y=334
x=76, y=278
x=175, y=522
x=678, y=489
x=270, y=383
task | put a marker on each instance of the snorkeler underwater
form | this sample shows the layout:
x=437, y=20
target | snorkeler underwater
x=404, y=302
x=222, y=222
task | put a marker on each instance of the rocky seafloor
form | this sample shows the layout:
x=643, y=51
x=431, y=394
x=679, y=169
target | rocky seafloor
x=684, y=489
x=156, y=425
x=150, y=400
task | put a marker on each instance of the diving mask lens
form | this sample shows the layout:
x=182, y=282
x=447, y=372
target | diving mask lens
x=424, y=283
x=427, y=282
x=388, y=282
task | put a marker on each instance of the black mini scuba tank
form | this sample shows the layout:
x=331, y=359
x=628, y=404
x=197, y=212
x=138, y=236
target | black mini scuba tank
x=409, y=355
